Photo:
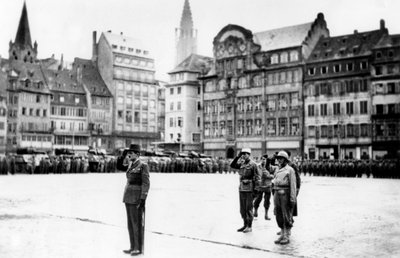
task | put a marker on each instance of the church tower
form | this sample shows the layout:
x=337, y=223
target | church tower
x=185, y=36
x=22, y=48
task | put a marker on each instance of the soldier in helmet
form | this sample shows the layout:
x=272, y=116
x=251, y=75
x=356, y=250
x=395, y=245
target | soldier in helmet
x=249, y=180
x=284, y=197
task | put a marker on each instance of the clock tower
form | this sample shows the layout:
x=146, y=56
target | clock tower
x=185, y=36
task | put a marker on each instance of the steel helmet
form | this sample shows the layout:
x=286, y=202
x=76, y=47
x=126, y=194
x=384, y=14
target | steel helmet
x=283, y=154
x=246, y=150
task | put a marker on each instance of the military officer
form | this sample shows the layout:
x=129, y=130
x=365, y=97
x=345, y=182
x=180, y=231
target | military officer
x=265, y=187
x=249, y=180
x=135, y=194
x=284, y=197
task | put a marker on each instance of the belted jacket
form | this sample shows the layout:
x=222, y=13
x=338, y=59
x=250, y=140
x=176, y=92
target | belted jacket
x=285, y=178
x=138, y=180
x=249, y=174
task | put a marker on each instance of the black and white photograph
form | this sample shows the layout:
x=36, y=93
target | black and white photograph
x=199, y=128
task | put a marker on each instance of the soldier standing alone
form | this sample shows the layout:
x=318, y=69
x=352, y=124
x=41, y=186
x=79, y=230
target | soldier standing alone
x=135, y=194
x=249, y=180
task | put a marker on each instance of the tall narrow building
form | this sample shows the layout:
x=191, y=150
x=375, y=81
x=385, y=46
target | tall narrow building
x=186, y=36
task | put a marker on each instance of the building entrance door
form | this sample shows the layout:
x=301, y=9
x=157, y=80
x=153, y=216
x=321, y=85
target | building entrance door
x=230, y=153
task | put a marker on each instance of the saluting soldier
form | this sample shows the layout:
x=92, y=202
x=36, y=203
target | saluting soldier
x=265, y=187
x=135, y=194
x=249, y=179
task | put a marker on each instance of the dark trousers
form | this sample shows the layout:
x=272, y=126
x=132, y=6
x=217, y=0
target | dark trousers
x=283, y=212
x=134, y=217
x=258, y=198
x=246, y=207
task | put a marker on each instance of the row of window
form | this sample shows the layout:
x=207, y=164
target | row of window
x=337, y=68
x=389, y=108
x=387, y=88
x=100, y=101
x=32, y=112
x=386, y=129
x=290, y=76
x=134, y=61
x=68, y=126
x=137, y=117
x=172, y=90
x=133, y=75
x=347, y=130
x=386, y=69
x=71, y=140
x=144, y=104
x=336, y=88
x=282, y=126
x=68, y=111
x=282, y=101
x=284, y=57
x=178, y=105
x=328, y=109
x=130, y=49
x=26, y=84
x=136, y=128
x=137, y=89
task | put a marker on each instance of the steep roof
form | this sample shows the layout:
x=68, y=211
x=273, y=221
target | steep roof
x=29, y=71
x=23, y=36
x=285, y=37
x=63, y=81
x=193, y=63
x=388, y=41
x=92, y=78
x=357, y=44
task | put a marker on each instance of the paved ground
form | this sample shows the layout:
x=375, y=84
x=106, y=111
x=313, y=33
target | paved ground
x=193, y=215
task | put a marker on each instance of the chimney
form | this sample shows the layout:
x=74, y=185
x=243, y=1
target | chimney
x=122, y=33
x=355, y=31
x=94, y=47
x=382, y=23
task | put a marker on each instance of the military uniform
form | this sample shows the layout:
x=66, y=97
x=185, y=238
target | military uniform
x=135, y=193
x=264, y=189
x=249, y=179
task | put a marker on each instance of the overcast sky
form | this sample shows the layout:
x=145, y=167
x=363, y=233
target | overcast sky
x=65, y=26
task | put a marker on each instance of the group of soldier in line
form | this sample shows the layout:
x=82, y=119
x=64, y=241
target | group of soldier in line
x=81, y=164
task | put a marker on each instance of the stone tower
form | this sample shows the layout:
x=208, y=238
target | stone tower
x=186, y=36
x=22, y=48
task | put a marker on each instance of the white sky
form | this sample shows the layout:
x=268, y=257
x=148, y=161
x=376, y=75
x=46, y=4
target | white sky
x=65, y=26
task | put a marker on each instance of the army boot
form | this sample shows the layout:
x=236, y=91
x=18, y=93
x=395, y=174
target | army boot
x=242, y=228
x=248, y=228
x=278, y=241
x=266, y=215
x=285, y=239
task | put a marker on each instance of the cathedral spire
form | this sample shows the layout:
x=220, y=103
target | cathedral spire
x=23, y=36
x=186, y=19
x=185, y=35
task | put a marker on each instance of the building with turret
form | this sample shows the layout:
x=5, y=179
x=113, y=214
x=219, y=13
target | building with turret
x=252, y=95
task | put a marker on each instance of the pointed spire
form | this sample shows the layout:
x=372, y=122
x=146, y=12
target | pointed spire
x=186, y=20
x=23, y=36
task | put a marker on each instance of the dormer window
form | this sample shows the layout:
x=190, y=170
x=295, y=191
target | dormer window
x=378, y=55
x=77, y=100
x=336, y=68
x=311, y=71
x=62, y=99
x=325, y=44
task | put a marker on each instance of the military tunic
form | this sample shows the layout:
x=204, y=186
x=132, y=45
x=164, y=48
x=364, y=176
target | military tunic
x=249, y=178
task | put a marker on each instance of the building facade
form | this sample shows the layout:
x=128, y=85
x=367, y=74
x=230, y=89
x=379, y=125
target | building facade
x=127, y=68
x=385, y=91
x=252, y=95
x=69, y=111
x=183, y=119
x=99, y=103
x=337, y=96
